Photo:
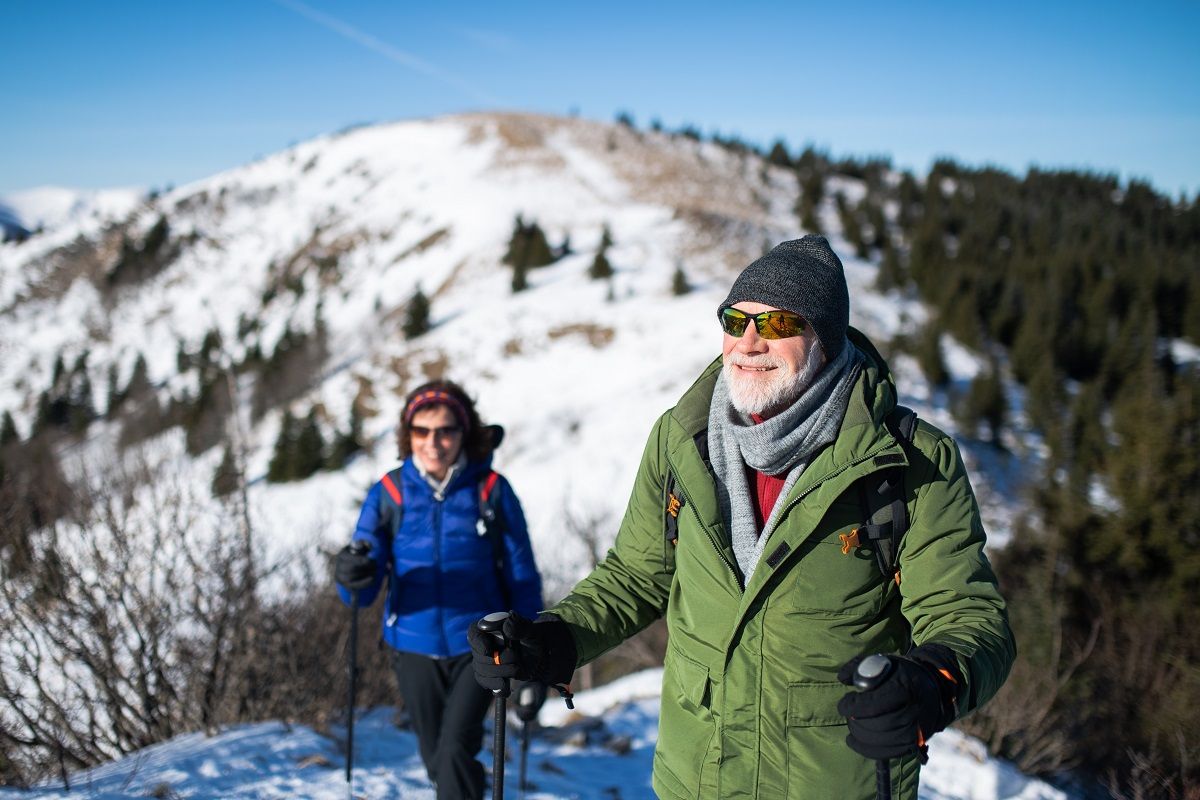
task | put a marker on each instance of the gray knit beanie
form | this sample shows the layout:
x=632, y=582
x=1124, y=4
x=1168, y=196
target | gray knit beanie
x=804, y=276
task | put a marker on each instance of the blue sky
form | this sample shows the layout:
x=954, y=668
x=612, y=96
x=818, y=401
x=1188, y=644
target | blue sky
x=96, y=94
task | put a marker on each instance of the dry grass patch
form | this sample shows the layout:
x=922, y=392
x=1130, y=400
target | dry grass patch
x=435, y=368
x=429, y=241
x=597, y=335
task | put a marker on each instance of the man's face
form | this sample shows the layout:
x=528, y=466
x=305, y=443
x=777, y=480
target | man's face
x=766, y=376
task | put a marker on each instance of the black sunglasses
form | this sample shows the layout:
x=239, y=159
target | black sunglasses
x=420, y=431
x=769, y=324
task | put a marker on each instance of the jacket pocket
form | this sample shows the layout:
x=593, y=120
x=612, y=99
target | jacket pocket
x=834, y=577
x=686, y=724
x=819, y=763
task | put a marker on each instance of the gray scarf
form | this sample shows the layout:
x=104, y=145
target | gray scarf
x=785, y=443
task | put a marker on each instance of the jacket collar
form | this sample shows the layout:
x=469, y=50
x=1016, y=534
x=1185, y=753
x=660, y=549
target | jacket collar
x=462, y=472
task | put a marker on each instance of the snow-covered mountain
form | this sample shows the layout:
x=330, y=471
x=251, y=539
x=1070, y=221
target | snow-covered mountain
x=339, y=232
x=49, y=207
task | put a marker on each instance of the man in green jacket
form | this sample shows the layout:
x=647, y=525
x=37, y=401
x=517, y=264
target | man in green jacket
x=743, y=532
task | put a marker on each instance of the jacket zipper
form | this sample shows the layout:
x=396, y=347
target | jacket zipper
x=711, y=536
x=844, y=468
x=437, y=574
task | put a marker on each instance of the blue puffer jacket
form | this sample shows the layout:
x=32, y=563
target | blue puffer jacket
x=442, y=571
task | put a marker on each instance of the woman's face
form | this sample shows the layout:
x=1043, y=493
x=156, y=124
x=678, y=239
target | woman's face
x=436, y=438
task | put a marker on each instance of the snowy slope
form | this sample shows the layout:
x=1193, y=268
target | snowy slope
x=49, y=207
x=604, y=756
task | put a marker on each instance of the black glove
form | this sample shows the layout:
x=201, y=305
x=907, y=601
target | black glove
x=916, y=700
x=529, y=698
x=542, y=651
x=354, y=568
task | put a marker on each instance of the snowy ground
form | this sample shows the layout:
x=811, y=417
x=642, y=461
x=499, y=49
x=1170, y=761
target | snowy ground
x=602, y=757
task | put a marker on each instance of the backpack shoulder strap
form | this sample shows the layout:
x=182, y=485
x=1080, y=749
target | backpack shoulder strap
x=673, y=499
x=674, y=504
x=391, y=502
x=391, y=484
x=883, y=498
x=491, y=525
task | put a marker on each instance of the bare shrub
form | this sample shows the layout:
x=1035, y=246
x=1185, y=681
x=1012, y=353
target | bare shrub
x=90, y=632
x=297, y=670
x=142, y=617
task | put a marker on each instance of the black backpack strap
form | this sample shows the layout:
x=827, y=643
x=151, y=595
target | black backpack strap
x=491, y=525
x=882, y=494
x=673, y=498
x=391, y=500
x=674, y=504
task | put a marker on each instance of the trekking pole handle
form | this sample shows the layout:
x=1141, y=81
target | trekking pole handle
x=360, y=547
x=493, y=626
x=872, y=671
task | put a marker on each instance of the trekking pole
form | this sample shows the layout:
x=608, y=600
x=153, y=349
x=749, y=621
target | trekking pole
x=525, y=699
x=871, y=672
x=524, y=757
x=492, y=625
x=359, y=548
x=350, y=701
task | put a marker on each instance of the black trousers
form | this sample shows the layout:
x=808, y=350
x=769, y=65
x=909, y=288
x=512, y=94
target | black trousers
x=447, y=708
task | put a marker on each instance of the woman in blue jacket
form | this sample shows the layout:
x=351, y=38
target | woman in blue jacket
x=449, y=535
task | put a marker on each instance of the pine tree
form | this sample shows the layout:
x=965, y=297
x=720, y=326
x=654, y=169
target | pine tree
x=537, y=253
x=183, y=360
x=872, y=209
x=600, y=268
x=139, y=381
x=929, y=356
x=112, y=401
x=156, y=238
x=679, y=281
x=779, y=154
x=985, y=402
x=416, y=316
x=606, y=239
x=81, y=410
x=891, y=270
x=346, y=444
x=8, y=430
x=518, y=245
x=309, y=455
x=59, y=369
x=41, y=417
x=225, y=478
x=282, y=466
x=812, y=190
x=80, y=400
x=851, y=226
x=53, y=411
x=520, y=278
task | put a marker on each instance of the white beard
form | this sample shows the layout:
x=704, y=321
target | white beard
x=753, y=395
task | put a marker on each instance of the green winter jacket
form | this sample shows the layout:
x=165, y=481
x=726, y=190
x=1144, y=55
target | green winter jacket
x=750, y=690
